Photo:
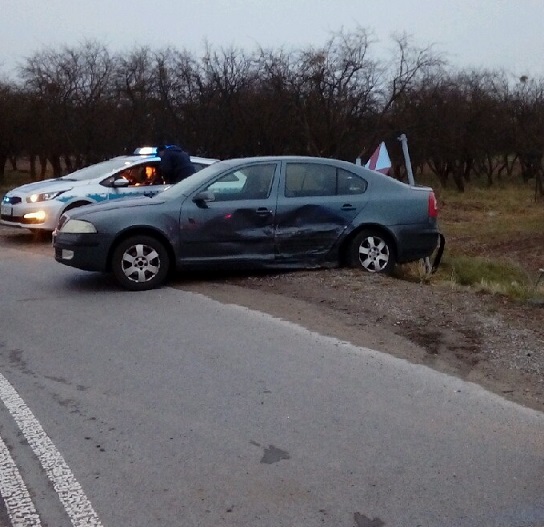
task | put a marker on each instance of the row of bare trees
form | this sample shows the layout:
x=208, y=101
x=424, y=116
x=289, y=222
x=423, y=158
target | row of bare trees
x=76, y=105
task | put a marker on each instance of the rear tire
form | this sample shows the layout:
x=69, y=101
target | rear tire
x=140, y=263
x=373, y=252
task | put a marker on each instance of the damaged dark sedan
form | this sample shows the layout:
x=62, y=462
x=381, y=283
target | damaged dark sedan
x=261, y=212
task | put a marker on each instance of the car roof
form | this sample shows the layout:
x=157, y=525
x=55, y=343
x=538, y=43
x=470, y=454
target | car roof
x=208, y=160
x=348, y=165
x=253, y=159
x=370, y=175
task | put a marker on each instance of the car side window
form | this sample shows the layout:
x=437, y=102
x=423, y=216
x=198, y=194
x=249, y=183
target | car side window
x=245, y=183
x=310, y=179
x=140, y=175
x=349, y=183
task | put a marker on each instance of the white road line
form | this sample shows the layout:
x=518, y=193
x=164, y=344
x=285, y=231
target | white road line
x=71, y=495
x=18, y=502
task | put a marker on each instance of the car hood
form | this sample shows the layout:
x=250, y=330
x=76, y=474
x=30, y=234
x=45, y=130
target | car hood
x=47, y=185
x=116, y=205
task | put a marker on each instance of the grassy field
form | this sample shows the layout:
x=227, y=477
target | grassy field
x=494, y=239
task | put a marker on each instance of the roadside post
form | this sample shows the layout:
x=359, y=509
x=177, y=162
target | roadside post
x=404, y=141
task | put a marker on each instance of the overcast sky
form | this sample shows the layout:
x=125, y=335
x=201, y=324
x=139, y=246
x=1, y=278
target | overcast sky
x=504, y=34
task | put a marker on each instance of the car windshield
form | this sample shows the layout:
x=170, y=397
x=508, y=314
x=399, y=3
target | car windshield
x=195, y=181
x=99, y=169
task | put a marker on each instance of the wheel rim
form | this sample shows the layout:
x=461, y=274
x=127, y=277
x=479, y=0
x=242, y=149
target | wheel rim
x=374, y=254
x=140, y=263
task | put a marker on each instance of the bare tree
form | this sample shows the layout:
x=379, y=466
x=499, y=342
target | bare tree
x=335, y=90
x=72, y=88
x=10, y=108
x=229, y=79
x=136, y=87
x=82, y=104
x=177, y=84
x=528, y=116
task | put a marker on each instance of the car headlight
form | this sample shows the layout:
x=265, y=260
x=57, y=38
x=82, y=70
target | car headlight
x=78, y=227
x=45, y=196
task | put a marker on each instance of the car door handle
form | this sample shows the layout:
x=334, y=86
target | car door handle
x=347, y=206
x=263, y=211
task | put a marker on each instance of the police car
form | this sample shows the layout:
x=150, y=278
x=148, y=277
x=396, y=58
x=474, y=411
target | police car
x=39, y=205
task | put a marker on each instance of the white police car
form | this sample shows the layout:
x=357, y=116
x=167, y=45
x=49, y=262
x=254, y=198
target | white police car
x=39, y=205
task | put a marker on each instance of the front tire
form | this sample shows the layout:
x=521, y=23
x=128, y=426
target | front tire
x=372, y=252
x=140, y=263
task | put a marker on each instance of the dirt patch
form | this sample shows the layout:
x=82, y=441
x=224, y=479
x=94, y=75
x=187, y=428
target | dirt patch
x=481, y=338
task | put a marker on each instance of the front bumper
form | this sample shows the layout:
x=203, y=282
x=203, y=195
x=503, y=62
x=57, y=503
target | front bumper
x=42, y=215
x=83, y=251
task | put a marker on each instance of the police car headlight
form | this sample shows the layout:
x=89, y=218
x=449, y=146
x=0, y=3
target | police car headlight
x=78, y=227
x=45, y=196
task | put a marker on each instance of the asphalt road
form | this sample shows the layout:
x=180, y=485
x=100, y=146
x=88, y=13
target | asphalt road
x=166, y=408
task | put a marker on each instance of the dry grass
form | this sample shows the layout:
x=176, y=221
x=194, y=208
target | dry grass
x=494, y=240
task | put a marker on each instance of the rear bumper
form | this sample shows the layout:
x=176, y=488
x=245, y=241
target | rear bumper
x=414, y=243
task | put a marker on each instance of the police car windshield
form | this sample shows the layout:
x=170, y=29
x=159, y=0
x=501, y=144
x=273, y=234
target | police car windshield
x=105, y=168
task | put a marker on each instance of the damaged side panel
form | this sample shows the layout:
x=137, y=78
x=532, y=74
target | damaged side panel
x=317, y=204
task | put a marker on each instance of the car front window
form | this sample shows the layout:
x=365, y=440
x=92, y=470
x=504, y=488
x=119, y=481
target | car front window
x=251, y=182
x=194, y=182
x=142, y=175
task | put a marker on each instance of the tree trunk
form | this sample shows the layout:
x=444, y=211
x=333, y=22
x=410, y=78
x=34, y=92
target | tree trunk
x=468, y=164
x=458, y=179
x=54, y=159
x=489, y=179
x=68, y=164
x=3, y=160
x=32, y=161
x=539, y=187
x=43, y=167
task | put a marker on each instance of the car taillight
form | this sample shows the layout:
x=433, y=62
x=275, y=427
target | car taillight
x=433, y=206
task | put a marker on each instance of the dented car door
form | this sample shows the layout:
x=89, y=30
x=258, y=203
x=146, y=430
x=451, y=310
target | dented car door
x=232, y=218
x=317, y=203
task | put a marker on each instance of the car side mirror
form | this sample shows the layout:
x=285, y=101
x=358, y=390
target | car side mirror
x=203, y=198
x=120, y=182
